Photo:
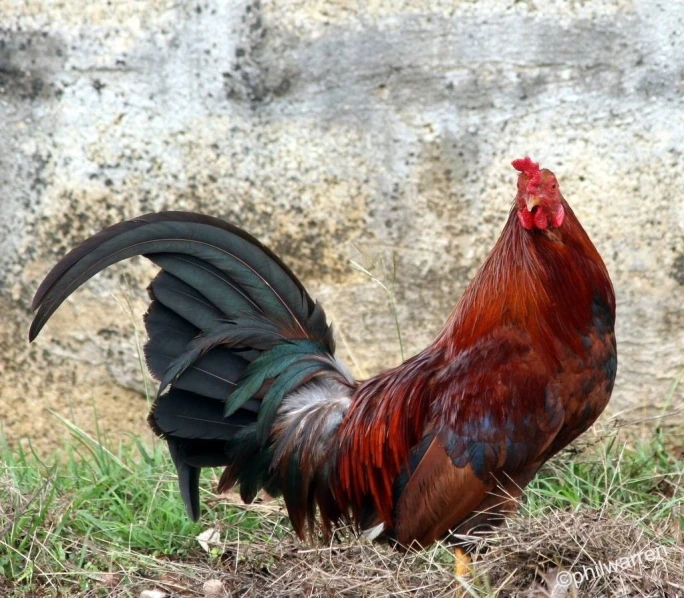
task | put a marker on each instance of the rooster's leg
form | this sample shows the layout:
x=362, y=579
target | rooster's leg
x=463, y=570
x=462, y=563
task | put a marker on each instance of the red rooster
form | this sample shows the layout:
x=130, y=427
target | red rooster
x=442, y=444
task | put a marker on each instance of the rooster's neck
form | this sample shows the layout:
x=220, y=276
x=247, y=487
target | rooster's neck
x=548, y=283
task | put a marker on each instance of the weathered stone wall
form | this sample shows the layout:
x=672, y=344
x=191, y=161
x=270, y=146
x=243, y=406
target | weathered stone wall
x=331, y=130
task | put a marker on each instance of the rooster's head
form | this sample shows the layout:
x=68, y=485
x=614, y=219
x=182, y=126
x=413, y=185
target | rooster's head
x=540, y=203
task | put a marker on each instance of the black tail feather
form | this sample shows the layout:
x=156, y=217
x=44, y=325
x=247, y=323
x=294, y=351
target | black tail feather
x=187, y=415
x=214, y=286
x=188, y=478
x=188, y=303
x=215, y=375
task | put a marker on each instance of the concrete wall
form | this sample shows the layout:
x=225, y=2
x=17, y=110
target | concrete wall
x=331, y=130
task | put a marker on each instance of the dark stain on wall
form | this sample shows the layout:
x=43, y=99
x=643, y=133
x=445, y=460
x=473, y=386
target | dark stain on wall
x=27, y=64
x=678, y=269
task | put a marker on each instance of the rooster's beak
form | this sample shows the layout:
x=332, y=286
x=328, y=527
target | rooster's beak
x=532, y=201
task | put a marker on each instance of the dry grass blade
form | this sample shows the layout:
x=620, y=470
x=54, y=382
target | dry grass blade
x=601, y=555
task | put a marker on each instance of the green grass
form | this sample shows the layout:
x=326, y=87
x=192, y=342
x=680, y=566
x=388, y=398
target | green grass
x=90, y=508
x=644, y=479
x=93, y=509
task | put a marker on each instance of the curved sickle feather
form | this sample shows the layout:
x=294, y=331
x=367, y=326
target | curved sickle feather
x=247, y=262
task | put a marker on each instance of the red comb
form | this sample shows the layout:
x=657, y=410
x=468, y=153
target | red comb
x=531, y=169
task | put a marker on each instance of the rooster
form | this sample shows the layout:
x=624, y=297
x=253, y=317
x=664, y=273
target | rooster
x=442, y=444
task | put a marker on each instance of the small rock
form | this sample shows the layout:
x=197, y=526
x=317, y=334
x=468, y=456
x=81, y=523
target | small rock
x=153, y=594
x=213, y=588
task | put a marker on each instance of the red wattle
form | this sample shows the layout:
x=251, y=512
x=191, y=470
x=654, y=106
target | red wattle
x=526, y=219
x=541, y=220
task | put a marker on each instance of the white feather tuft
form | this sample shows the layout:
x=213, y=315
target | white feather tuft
x=373, y=532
